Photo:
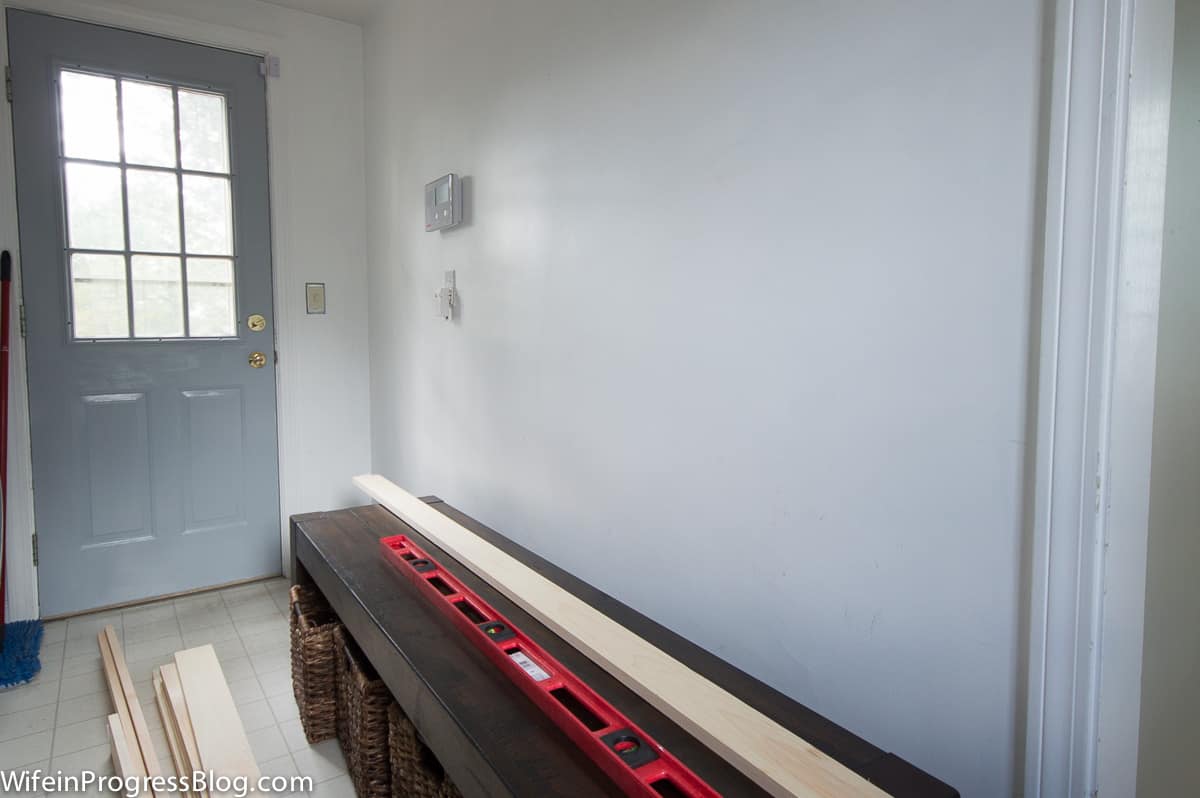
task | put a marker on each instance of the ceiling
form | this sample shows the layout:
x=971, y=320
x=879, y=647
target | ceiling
x=356, y=11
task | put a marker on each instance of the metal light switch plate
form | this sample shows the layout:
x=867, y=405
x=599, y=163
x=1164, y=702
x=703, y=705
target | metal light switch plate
x=314, y=297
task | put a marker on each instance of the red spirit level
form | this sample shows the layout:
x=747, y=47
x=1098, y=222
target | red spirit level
x=638, y=764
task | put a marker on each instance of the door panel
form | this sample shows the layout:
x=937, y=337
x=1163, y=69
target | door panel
x=116, y=429
x=216, y=458
x=144, y=219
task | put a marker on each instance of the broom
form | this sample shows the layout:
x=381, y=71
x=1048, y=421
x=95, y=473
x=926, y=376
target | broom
x=20, y=642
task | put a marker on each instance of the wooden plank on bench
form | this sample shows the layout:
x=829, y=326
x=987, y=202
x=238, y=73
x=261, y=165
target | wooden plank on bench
x=780, y=762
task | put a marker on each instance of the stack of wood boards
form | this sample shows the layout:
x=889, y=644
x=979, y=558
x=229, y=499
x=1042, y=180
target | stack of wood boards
x=133, y=750
x=177, y=721
x=200, y=721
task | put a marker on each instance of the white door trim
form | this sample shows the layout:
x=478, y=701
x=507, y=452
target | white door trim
x=1133, y=362
x=22, y=596
x=1064, y=524
x=1099, y=319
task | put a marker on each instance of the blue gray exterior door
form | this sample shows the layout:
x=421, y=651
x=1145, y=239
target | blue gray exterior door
x=146, y=269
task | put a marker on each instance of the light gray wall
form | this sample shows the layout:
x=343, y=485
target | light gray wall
x=1171, y=652
x=745, y=313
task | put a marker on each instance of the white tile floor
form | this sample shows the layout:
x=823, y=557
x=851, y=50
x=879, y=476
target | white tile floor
x=57, y=721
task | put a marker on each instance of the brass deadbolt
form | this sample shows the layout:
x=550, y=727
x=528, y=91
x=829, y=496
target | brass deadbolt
x=256, y=322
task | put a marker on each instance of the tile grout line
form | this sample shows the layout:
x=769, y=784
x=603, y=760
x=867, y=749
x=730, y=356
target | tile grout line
x=62, y=670
x=270, y=709
x=58, y=695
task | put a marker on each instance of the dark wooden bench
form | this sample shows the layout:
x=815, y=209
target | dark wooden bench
x=490, y=738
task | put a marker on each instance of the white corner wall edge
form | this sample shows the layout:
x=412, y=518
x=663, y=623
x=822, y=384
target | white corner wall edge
x=1105, y=179
x=1133, y=384
x=1086, y=114
x=774, y=758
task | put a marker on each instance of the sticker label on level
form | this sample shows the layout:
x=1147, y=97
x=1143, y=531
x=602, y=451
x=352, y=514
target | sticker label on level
x=529, y=666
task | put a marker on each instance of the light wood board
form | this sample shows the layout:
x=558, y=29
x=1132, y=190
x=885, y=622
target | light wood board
x=774, y=758
x=181, y=719
x=124, y=761
x=141, y=731
x=169, y=730
x=135, y=765
x=220, y=737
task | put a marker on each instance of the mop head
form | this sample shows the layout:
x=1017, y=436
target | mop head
x=19, y=660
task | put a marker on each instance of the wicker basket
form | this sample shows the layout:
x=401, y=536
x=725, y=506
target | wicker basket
x=362, y=720
x=314, y=667
x=416, y=772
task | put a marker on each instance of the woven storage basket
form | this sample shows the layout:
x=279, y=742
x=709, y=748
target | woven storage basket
x=314, y=664
x=416, y=773
x=362, y=720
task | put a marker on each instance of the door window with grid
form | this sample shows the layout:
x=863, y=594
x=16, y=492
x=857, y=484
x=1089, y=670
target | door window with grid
x=149, y=215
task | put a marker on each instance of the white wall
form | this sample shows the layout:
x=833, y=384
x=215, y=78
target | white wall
x=1171, y=653
x=315, y=121
x=745, y=315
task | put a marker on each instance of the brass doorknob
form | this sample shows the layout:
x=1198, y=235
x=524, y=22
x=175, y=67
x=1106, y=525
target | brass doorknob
x=256, y=322
x=257, y=360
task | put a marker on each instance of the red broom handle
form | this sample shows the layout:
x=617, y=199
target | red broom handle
x=5, y=298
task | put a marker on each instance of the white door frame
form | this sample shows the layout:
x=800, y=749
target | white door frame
x=1127, y=501
x=22, y=590
x=1106, y=178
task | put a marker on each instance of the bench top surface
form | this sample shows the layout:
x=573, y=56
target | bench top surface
x=490, y=737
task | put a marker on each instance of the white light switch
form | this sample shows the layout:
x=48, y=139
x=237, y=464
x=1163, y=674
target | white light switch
x=447, y=298
x=314, y=297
